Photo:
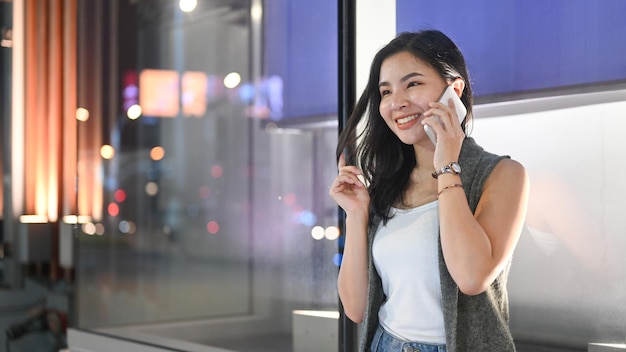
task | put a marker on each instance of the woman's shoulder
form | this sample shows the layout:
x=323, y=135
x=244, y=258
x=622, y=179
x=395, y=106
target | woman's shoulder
x=486, y=171
x=508, y=170
x=476, y=161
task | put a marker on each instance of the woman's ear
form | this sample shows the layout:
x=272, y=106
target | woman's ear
x=458, y=85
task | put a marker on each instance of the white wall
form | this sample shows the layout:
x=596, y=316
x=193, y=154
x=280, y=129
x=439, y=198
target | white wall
x=568, y=281
x=375, y=26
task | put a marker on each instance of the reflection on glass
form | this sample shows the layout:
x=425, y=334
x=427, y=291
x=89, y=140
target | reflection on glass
x=206, y=223
x=159, y=92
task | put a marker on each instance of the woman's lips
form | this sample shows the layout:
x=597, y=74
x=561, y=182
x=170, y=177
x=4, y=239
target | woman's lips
x=408, y=121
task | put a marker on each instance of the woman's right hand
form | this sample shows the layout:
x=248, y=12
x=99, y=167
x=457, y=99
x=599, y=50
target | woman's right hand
x=352, y=195
x=348, y=191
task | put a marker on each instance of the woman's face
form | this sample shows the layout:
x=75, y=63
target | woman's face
x=407, y=85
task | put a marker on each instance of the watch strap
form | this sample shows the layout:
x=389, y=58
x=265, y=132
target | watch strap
x=447, y=169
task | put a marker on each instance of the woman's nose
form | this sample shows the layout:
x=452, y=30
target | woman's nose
x=399, y=101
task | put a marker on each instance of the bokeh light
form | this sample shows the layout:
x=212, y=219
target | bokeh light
x=89, y=228
x=246, y=93
x=187, y=5
x=290, y=199
x=127, y=227
x=307, y=218
x=332, y=233
x=232, y=80
x=213, y=227
x=119, y=196
x=157, y=153
x=337, y=258
x=256, y=12
x=205, y=192
x=133, y=112
x=113, y=209
x=82, y=114
x=217, y=171
x=123, y=226
x=317, y=232
x=107, y=152
x=152, y=189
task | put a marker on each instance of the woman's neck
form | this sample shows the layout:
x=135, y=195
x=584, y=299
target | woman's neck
x=424, y=156
x=421, y=190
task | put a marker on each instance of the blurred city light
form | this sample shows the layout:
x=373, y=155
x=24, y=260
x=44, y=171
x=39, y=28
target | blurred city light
x=290, y=199
x=232, y=80
x=213, y=227
x=82, y=114
x=152, y=188
x=133, y=112
x=187, y=5
x=217, y=171
x=332, y=233
x=73, y=219
x=157, y=153
x=194, y=93
x=33, y=219
x=113, y=209
x=107, y=152
x=337, y=258
x=119, y=195
x=89, y=228
x=317, y=232
x=205, y=192
x=307, y=218
x=127, y=227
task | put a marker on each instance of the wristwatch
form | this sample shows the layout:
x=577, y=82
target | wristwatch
x=453, y=168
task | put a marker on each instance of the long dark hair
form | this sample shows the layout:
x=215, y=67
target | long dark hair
x=387, y=162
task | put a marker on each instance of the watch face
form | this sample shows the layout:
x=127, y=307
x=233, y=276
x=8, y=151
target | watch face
x=456, y=168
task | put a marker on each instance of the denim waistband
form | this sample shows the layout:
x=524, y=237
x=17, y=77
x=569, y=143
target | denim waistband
x=385, y=342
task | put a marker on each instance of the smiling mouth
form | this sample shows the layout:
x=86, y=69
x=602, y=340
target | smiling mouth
x=407, y=119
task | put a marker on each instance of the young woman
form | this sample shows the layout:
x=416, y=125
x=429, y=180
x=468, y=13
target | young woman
x=430, y=228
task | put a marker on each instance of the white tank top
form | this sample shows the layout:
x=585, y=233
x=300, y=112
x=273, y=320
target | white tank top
x=406, y=256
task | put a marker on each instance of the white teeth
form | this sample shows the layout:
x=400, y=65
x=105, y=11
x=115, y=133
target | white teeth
x=407, y=119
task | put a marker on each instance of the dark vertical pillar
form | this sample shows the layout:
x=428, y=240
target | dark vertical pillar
x=347, y=98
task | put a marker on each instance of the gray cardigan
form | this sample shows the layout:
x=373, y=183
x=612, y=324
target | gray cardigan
x=472, y=323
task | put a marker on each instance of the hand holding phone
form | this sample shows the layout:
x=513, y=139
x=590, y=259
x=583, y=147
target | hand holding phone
x=460, y=109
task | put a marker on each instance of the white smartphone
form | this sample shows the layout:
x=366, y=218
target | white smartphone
x=461, y=111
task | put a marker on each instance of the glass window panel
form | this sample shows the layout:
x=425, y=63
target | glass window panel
x=202, y=215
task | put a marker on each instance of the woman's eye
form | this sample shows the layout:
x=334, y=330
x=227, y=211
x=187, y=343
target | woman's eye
x=412, y=84
x=384, y=92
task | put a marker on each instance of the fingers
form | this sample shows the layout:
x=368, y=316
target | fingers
x=348, y=176
x=342, y=161
x=443, y=114
x=440, y=109
x=346, y=169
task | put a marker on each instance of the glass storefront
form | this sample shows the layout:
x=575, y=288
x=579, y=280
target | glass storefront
x=195, y=141
x=204, y=206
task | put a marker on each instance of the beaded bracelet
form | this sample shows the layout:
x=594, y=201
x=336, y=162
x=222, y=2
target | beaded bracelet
x=448, y=187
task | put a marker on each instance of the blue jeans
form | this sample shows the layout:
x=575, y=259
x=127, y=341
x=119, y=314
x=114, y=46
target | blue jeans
x=385, y=342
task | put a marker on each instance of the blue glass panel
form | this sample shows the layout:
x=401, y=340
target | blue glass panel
x=519, y=46
x=301, y=49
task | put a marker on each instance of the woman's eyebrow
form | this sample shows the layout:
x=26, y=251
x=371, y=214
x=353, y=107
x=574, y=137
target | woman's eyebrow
x=403, y=79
